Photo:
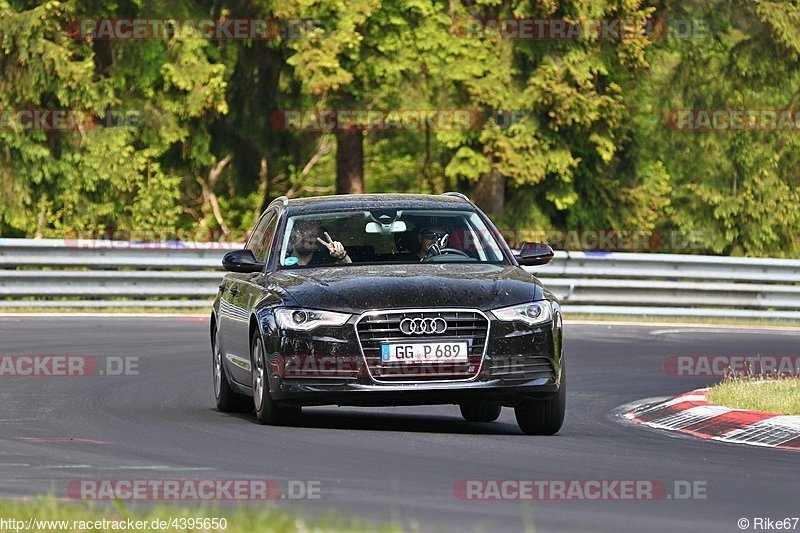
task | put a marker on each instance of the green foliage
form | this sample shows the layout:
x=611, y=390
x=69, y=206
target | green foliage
x=736, y=191
x=93, y=178
x=577, y=129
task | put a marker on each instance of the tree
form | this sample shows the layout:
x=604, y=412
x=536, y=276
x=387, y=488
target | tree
x=735, y=191
x=556, y=112
x=100, y=174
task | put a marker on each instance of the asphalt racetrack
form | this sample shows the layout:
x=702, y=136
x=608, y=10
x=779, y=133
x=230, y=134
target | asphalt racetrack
x=398, y=464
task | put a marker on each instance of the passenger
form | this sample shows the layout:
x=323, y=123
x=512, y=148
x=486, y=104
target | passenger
x=309, y=248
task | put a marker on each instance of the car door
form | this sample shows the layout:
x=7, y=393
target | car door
x=233, y=313
x=248, y=289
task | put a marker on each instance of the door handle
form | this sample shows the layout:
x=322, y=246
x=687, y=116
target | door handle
x=234, y=291
x=222, y=288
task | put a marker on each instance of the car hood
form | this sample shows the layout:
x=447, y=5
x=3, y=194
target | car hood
x=355, y=289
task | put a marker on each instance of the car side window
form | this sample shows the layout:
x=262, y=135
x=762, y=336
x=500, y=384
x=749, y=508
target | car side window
x=261, y=244
x=257, y=233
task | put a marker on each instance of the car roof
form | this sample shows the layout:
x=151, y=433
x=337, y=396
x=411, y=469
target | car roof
x=316, y=204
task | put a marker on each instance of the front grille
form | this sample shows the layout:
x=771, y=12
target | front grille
x=521, y=368
x=384, y=327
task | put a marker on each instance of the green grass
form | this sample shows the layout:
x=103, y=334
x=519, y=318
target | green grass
x=255, y=518
x=781, y=396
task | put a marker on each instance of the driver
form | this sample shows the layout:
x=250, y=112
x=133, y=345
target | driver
x=308, y=246
x=431, y=240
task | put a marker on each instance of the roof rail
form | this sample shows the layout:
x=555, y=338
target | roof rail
x=282, y=199
x=457, y=195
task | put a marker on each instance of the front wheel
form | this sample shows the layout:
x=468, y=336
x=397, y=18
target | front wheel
x=543, y=417
x=227, y=400
x=267, y=410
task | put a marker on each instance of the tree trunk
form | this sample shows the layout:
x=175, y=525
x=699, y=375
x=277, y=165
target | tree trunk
x=490, y=194
x=350, y=162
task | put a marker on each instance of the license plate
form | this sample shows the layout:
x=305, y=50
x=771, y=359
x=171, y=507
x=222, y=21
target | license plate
x=428, y=352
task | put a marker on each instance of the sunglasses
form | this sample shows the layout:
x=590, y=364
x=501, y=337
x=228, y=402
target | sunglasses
x=431, y=235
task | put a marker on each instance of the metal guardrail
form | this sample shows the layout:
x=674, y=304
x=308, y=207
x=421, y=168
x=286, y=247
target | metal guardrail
x=110, y=254
x=91, y=274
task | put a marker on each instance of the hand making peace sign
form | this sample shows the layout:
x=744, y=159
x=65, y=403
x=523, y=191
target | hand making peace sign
x=335, y=248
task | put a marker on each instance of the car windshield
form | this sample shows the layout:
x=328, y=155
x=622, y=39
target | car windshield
x=387, y=236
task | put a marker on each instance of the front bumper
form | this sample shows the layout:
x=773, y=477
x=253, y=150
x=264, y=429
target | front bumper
x=327, y=367
x=424, y=394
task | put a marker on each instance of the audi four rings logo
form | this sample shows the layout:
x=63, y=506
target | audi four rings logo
x=423, y=326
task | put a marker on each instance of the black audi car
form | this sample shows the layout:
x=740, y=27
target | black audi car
x=386, y=299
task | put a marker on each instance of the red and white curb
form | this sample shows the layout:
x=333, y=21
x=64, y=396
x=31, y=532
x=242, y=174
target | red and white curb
x=692, y=413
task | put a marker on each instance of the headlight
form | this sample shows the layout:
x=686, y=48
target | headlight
x=308, y=319
x=532, y=314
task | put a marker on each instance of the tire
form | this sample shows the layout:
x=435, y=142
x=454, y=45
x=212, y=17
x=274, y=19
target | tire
x=480, y=411
x=543, y=417
x=267, y=410
x=227, y=400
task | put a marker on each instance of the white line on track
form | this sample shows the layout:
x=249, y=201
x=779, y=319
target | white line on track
x=11, y=316
x=747, y=330
x=159, y=468
x=680, y=327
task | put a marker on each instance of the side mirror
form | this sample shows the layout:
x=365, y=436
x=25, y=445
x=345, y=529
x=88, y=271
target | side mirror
x=534, y=253
x=242, y=261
